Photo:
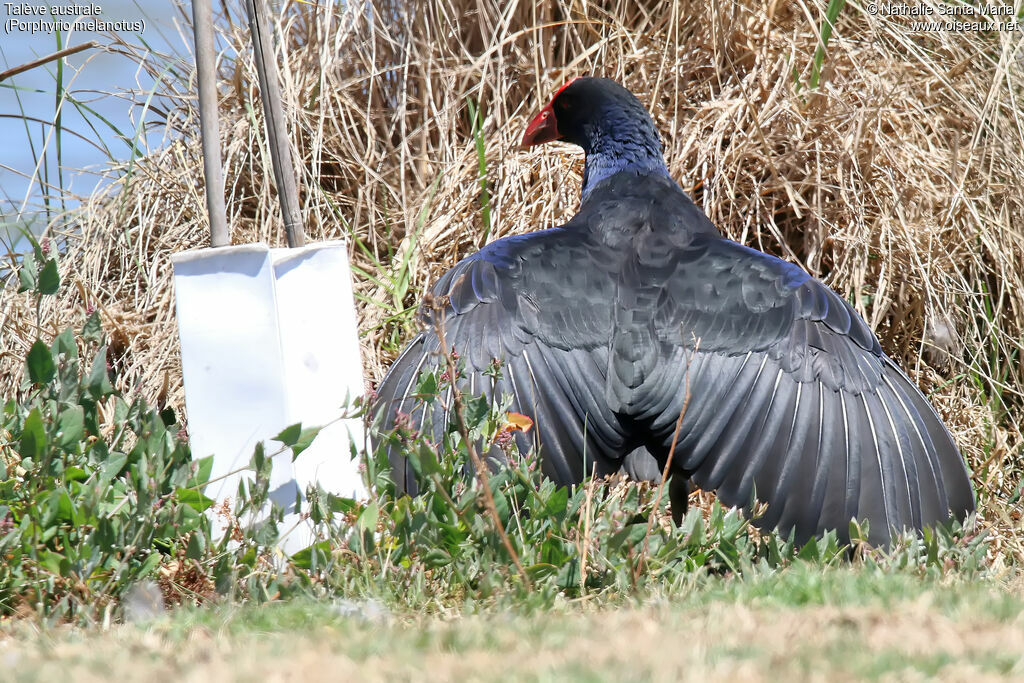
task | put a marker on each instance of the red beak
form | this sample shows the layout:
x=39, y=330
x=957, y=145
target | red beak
x=542, y=129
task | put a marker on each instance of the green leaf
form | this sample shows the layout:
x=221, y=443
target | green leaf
x=829, y=22
x=427, y=387
x=71, y=426
x=7, y=489
x=33, y=436
x=196, y=548
x=121, y=410
x=368, y=517
x=65, y=344
x=541, y=570
x=426, y=461
x=193, y=499
x=304, y=558
x=202, y=475
x=289, y=435
x=810, y=551
x=51, y=561
x=265, y=533
x=476, y=116
x=304, y=440
x=92, y=331
x=65, y=508
x=476, y=408
x=556, y=502
x=151, y=563
x=189, y=521
x=260, y=464
x=113, y=465
x=318, y=511
x=168, y=417
x=56, y=507
x=27, y=275
x=628, y=536
x=501, y=504
x=436, y=557
x=40, y=363
x=296, y=438
x=569, y=575
x=338, y=504
x=858, y=531
x=49, y=279
x=75, y=474
x=97, y=383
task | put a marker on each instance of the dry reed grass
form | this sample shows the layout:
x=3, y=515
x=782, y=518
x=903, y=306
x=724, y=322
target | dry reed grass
x=898, y=181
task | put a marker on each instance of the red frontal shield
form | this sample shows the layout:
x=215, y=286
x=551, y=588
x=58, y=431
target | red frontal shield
x=543, y=128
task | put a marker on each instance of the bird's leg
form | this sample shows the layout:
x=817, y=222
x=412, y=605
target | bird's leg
x=679, y=488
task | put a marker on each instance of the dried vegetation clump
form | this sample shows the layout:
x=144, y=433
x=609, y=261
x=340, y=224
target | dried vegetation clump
x=897, y=180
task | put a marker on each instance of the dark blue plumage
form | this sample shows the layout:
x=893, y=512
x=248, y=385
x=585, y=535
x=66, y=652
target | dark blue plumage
x=603, y=322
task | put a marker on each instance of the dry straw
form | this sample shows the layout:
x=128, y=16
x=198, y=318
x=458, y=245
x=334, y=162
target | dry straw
x=898, y=180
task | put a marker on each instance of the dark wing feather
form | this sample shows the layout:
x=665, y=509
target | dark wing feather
x=527, y=302
x=792, y=400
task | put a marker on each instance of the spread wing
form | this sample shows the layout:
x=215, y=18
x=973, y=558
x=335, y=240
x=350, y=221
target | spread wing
x=791, y=399
x=541, y=304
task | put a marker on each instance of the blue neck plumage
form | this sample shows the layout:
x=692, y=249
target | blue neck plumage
x=626, y=150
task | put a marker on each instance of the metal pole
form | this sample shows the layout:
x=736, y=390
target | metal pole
x=206, y=59
x=277, y=132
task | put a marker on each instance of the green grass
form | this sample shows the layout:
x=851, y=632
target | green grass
x=851, y=623
x=832, y=11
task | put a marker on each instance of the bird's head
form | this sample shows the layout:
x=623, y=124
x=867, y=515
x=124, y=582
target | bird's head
x=607, y=121
x=586, y=111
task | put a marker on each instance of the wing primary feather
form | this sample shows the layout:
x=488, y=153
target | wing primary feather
x=853, y=465
x=769, y=473
x=787, y=510
x=567, y=443
x=401, y=470
x=706, y=389
x=734, y=432
x=953, y=479
x=711, y=432
x=406, y=393
x=910, y=515
x=550, y=421
x=762, y=440
x=532, y=385
x=602, y=426
x=939, y=503
x=823, y=460
x=885, y=479
x=402, y=396
x=518, y=401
